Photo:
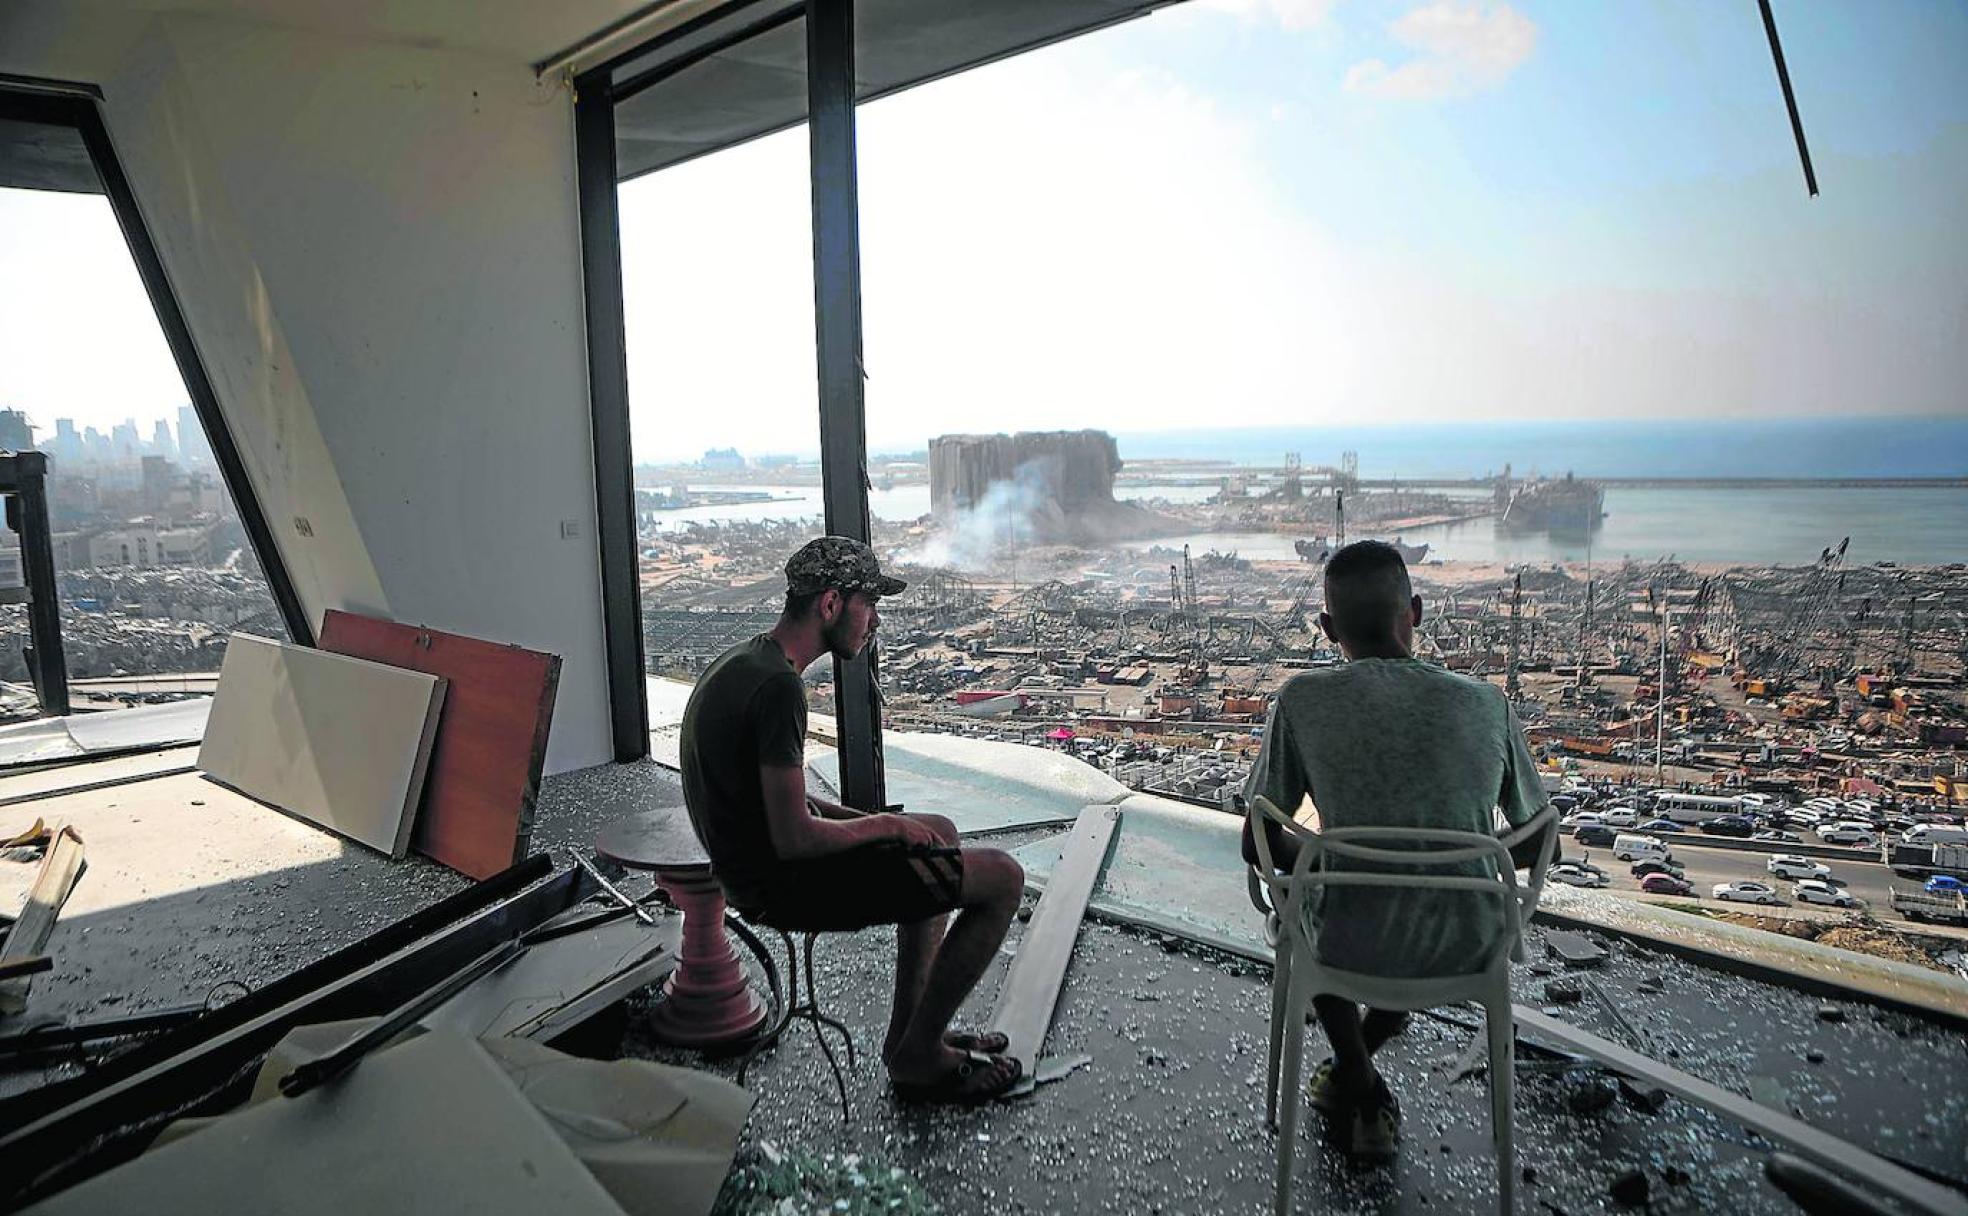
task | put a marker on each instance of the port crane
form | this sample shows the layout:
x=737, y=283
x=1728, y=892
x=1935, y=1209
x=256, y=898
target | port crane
x=1771, y=667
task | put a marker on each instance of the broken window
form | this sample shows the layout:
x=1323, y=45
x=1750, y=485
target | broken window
x=152, y=561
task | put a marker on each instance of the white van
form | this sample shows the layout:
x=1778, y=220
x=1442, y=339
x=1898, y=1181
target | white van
x=1628, y=847
x=1934, y=833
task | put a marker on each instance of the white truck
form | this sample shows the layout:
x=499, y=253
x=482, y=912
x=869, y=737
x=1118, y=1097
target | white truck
x=1948, y=908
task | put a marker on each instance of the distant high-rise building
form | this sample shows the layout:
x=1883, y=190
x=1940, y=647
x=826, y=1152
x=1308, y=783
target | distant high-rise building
x=67, y=444
x=161, y=443
x=123, y=441
x=16, y=433
x=159, y=477
x=192, y=445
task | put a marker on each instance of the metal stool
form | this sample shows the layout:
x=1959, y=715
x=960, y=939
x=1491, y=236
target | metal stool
x=787, y=1001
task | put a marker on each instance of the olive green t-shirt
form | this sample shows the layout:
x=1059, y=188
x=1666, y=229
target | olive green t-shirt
x=1406, y=744
x=748, y=709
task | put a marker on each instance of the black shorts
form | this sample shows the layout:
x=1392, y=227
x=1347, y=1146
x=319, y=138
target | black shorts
x=887, y=882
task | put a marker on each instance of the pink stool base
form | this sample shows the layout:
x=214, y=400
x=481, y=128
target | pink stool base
x=706, y=1001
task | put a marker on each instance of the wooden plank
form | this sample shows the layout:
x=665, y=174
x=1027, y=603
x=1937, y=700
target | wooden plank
x=1031, y=988
x=477, y=812
x=1819, y=1148
x=341, y=742
x=60, y=869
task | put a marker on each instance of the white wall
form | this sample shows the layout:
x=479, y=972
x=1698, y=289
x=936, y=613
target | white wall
x=377, y=249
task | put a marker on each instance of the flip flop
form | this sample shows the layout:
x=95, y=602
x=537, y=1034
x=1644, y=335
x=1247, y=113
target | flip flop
x=967, y=1084
x=990, y=1042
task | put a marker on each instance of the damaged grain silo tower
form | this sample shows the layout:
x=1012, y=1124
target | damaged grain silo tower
x=1045, y=487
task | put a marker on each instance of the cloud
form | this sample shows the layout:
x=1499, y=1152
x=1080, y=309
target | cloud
x=1289, y=14
x=1462, y=47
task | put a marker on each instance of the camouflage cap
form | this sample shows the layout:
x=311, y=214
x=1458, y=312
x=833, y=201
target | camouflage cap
x=838, y=562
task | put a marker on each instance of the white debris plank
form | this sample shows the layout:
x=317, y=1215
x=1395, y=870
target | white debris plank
x=1031, y=988
x=60, y=868
x=1819, y=1148
x=340, y=742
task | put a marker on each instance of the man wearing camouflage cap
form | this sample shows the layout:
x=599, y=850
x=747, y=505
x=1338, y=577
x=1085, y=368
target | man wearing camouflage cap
x=789, y=858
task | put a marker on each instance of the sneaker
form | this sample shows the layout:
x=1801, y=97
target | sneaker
x=1377, y=1122
x=1322, y=1090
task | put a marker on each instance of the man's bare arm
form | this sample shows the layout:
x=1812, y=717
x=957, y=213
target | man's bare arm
x=796, y=832
x=828, y=809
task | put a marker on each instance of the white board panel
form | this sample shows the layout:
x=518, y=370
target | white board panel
x=340, y=742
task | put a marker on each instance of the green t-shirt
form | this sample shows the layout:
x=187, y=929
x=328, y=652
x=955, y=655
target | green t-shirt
x=1398, y=743
x=748, y=709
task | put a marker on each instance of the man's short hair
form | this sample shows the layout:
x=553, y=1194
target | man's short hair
x=799, y=603
x=1367, y=587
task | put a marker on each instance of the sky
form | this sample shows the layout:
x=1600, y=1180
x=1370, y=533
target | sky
x=1270, y=213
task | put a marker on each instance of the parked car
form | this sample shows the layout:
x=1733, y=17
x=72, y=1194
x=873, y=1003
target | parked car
x=1596, y=833
x=1729, y=825
x=1748, y=892
x=1662, y=825
x=1666, y=884
x=1777, y=836
x=1789, y=865
x=1574, y=874
x=1944, y=884
x=1845, y=832
x=1642, y=869
x=1818, y=891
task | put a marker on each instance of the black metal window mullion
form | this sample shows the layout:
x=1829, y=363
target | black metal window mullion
x=608, y=403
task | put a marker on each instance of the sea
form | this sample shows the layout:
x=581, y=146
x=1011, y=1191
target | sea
x=1748, y=526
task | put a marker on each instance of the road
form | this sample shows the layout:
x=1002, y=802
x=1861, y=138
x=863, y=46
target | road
x=1869, y=881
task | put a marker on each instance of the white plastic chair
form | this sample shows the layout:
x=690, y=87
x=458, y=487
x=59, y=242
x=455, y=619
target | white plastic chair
x=1298, y=976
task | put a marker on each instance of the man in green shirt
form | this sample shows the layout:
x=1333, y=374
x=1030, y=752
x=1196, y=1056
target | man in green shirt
x=1386, y=740
x=789, y=858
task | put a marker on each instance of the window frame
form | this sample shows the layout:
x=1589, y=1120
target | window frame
x=79, y=108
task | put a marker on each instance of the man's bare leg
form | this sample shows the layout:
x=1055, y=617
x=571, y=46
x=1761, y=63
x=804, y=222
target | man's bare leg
x=992, y=883
x=916, y=944
x=1355, y=1040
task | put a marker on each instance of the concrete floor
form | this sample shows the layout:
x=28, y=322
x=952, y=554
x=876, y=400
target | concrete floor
x=190, y=889
x=1168, y=1115
x=194, y=893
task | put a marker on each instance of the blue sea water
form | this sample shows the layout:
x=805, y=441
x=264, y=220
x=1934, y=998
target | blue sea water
x=1786, y=447
x=1775, y=525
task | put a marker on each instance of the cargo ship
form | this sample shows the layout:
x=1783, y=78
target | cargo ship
x=1570, y=505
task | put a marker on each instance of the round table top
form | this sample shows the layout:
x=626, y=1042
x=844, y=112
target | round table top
x=653, y=840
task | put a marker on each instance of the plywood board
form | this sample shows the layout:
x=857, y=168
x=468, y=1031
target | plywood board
x=340, y=742
x=432, y=1126
x=477, y=812
x=1031, y=988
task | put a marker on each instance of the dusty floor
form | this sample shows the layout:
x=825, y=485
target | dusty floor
x=1168, y=1115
